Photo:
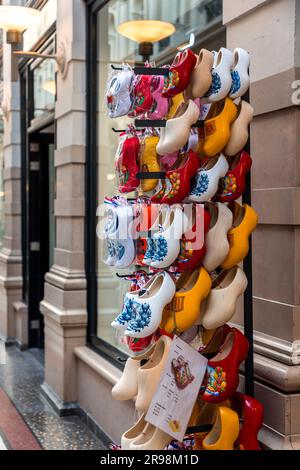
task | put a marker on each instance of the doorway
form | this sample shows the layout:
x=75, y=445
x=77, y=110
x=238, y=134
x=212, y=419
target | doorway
x=38, y=226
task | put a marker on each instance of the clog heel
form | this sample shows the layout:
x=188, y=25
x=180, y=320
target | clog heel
x=201, y=76
x=225, y=431
x=217, y=127
x=240, y=73
x=239, y=132
x=221, y=76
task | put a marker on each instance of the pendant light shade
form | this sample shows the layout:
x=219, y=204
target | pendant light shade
x=146, y=30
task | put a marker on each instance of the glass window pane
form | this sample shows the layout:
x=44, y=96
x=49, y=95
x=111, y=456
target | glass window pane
x=188, y=16
x=44, y=88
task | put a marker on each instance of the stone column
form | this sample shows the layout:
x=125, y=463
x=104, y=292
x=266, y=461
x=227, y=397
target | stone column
x=10, y=254
x=269, y=30
x=64, y=304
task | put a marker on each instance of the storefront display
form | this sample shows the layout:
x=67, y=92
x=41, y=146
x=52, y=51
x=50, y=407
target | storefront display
x=189, y=234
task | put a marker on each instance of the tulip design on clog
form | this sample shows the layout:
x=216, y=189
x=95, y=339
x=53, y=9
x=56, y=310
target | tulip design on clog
x=177, y=131
x=202, y=74
x=179, y=73
x=142, y=95
x=217, y=127
x=240, y=73
x=118, y=95
x=245, y=220
x=224, y=432
x=147, y=307
x=191, y=288
x=206, y=182
x=217, y=244
x=193, y=247
x=221, y=76
x=233, y=185
x=178, y=179
x=220, y=305
x=222, y=374
x=251, y=412
x=239, y=132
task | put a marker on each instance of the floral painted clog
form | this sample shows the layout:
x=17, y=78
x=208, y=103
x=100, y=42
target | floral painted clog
x=240, y=73
x=142, y=96
x=191, y=288
x=118, y=95
x=217, y=244
x=201, y=79
x=217, y=127
x=245, y=220
x=179, y=73
x=222, y=374
x=126, y=163
x=145, y=308
x=225, y=431
x=160, y=104
x=178, y=179
x=206, y=182
x=220, y=305
x=221, y=76
x=239, y=132
x=193, y=246
x=233, y=185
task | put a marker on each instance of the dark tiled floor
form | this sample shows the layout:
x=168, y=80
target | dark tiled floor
x=21, y=378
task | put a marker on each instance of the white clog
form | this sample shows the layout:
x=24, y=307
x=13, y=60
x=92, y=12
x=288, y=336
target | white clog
x=127, y=387
x=221, y=76
x=177, y=131
x=167, y=241
x=206, y=182
x=133, y=433
x=151, y=438
x=216, y=240
x=118, y=95
x=239, y=132
x=220, y=305
x=159, y=225
x=150, y=373
x=240, y=73
x=145, y=309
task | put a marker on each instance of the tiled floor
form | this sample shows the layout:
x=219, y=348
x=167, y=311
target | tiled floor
x=20, y=379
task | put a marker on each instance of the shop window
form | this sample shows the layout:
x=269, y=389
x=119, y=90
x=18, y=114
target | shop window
x=106, y=46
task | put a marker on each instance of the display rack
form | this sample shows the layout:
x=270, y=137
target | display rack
x=247, y=263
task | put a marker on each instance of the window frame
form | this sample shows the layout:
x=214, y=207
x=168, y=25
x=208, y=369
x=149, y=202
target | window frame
x=111, y=353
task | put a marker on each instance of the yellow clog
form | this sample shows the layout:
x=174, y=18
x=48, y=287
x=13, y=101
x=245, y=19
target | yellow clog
x=245, y=220
x=176, y=102
x=149, y=162
x=182, y=313
x=217, y=126
x=225, y=431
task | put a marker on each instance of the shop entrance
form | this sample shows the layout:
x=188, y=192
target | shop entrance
x=38, y=239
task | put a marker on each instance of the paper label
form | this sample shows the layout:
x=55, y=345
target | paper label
x=178, y=389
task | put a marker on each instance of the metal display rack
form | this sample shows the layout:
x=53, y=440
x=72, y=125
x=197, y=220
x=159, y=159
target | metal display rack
x=247, y=263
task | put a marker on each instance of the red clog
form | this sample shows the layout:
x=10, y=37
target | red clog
x=192, y=250
x=126, y=164
x=233, y=185
x=143, y=100
x=179, y=73
x=178, y=179
x=251, y=411
x=160, y=192
x=222, y=374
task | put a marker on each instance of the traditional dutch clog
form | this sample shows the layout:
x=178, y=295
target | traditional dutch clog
x=179, y=73
x=145, y=308
x=160, y=104
x=222, y=375
x=251, y=412
x=142, y=96
x=233, y=185
x=126, y=163
x=217, y=244
x=239, y=132
x=225, y=431
x=240, y=73
x=201, y=79
x=206, y=181
x=191, y=288
x=217, y=127
x=118, y=95
x=178, y=179
x=221, y=76
x=176, y=133
x=149, y=162
x=151, y=438
x=133, y=433
x=245, y=220
x=149, y=374
x=220, y=305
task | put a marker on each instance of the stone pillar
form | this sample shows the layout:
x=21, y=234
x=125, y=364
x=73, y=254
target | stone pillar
x=10, y=254
x=269, y=30
x=64, y=304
